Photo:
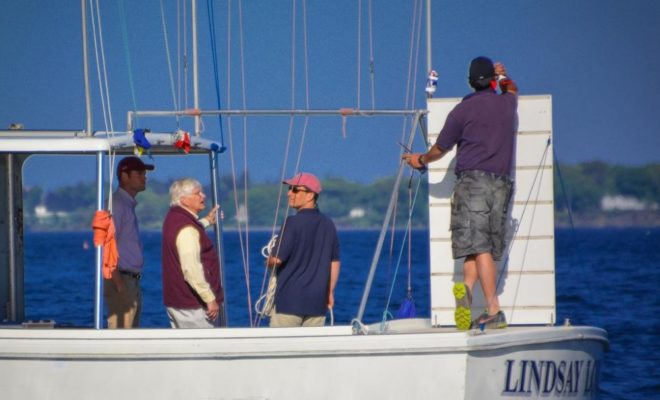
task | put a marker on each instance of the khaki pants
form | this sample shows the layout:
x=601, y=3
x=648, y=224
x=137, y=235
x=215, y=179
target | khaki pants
x=189, y=318
x=278, y=320
x=123, y=308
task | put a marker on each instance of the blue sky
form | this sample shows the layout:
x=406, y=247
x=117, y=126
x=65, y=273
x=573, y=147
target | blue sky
x=598, y=59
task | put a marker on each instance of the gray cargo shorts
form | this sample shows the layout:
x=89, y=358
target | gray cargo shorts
x=479, y=208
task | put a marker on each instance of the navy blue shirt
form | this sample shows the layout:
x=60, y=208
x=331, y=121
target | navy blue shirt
x=307, y=244
x=483, y=125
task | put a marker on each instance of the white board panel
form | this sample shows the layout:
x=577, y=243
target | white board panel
x=525, y=256
x=440, y=216
x=535, y=113
x=532, y=220
x=515, y=316
x=515, y=291
x=533, y=150
x=533, y=184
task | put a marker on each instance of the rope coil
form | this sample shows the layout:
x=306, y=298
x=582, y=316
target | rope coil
x=265, y=303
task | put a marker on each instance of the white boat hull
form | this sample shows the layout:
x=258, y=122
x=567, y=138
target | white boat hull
x=413, y=362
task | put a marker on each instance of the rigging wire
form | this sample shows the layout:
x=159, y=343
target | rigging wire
x=538, y=177
x=230, y=136
x=371, y=55
x=372, y=64
x=169, y=63
x=306, y=79
x=245, y=160
x=102, y=76
x=359, y=50
x=216, y=73
x=99, y=74
x=185, y=72
x=408, y=103
x=386, y=311
x=286, y=152
x=410, y=82
x=564, y=192
x=289, y=141
x=127, y=54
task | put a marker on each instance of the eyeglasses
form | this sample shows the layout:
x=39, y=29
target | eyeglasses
x=296, y=189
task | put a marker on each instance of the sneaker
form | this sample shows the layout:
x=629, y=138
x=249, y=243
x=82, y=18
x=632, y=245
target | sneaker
x=462, y=314
x=475, y=322
x=497, y=321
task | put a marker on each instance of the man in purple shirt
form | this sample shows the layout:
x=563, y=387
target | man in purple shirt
x=483, y=126
x=123, y=295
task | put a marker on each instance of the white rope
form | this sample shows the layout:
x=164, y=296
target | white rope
x=265, y=303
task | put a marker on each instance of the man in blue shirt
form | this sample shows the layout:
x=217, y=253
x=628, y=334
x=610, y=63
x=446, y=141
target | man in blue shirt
x=483, y=126
x=123, y=295
x=306, y=256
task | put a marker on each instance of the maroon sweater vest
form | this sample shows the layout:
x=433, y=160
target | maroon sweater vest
x=177, y=293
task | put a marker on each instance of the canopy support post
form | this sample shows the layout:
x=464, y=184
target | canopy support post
x=213, y=162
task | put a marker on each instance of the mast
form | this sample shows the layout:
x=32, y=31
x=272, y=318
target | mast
x=88, y=105
x=198, y=118
x=98, y=281
x=429, y=64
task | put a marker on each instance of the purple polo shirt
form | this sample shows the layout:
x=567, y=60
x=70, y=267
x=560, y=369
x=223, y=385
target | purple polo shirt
x=484, y=126
x=307, y=246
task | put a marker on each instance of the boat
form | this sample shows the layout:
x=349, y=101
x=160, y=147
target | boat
x=419, y=358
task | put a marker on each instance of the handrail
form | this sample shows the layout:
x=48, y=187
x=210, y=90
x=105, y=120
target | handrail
x=341, y=112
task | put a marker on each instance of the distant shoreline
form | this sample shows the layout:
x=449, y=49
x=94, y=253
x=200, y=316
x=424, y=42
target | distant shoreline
x=581, y=224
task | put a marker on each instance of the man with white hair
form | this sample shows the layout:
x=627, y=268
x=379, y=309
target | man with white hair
x=192, y=292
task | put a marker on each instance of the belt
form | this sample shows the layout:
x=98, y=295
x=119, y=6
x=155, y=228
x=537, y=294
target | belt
x=136, y=275
x=477, y=173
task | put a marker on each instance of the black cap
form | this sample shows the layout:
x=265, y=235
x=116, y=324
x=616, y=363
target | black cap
x=481, y=68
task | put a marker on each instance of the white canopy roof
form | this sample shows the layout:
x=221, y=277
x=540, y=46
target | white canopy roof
x=75, y=142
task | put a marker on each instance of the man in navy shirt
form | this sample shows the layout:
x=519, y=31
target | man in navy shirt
x=483, y=126
x=306, y=256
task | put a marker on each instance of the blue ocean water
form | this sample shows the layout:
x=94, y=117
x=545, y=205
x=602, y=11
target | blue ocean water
x=606, y=278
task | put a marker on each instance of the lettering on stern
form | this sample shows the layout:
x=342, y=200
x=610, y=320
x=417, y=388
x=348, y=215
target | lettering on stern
x=551, y=378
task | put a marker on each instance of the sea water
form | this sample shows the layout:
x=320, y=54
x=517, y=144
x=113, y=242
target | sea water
x=606, y=278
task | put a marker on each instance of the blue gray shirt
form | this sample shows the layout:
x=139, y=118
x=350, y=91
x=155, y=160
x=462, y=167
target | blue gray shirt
x=483, y=125
x=129, y=245
x=307, y=246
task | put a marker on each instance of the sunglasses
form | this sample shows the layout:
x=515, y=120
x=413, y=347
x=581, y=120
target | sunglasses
x=296, y=189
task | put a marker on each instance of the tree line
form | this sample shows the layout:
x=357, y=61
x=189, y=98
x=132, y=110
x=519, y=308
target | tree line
x=578, y=188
